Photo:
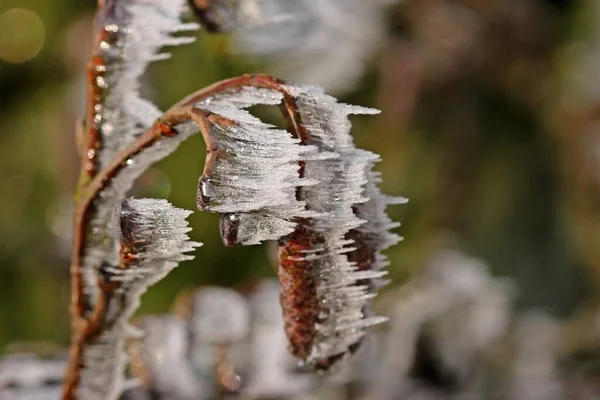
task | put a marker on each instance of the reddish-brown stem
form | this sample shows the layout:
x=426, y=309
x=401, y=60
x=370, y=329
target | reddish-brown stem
x=88, y=324
x=96, y=71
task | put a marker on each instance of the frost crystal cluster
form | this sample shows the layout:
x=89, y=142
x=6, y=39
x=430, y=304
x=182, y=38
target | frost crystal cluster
x=307, y=187
x=341, y=293
x=153, y=238
x=256, y=170
x=131, y=34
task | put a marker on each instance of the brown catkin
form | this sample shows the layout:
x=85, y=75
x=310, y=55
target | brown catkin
x=298, y=290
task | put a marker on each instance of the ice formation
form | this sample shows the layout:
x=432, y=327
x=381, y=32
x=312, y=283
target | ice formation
x=153, y=240
x=131, y=34
x=324, y=297
x=255, y=172
x=219, y=315
x=266, y=183
x=181, y=356
x=461, y=308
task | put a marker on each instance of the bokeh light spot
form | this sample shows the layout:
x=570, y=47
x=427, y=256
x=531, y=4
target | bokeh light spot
x=21, y=35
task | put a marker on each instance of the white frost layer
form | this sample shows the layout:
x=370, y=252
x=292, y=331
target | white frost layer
x=157, y=232
x=101, y=246
x=343, y=317
x=464, y=308
x=137, y=30
x=257, y=172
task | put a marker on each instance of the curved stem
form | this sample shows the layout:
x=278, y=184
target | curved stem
x=88, y=324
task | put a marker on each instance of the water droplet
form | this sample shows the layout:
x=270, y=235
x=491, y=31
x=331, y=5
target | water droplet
x=205, y=193
x=129, y=161
x=101, y=82
x=229, y=225
x=111, y=28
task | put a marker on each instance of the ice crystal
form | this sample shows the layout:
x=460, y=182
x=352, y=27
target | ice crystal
x=342, y=298
x=132, y=33
x=255, y=177
x=153, y=237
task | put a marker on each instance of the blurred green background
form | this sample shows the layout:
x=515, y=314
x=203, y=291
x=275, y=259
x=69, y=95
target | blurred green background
x=489, y=127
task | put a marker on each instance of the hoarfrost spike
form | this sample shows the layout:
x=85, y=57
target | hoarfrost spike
x=153, y=240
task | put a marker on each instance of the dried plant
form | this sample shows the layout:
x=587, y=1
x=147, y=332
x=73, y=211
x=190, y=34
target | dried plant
x=308, y=187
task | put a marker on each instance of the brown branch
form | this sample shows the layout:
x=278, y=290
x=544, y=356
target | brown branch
x=88, y=324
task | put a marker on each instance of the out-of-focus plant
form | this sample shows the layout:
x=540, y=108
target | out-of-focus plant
x=323, y=42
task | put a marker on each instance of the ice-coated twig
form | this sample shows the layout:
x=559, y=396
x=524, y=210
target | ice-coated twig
x=128, y=37
x=254, y=176
x=324, y=298
x=152, y=237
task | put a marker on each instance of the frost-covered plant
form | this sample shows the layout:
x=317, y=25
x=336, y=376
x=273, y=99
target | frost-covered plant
x=452, y=311
x=307, y=187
